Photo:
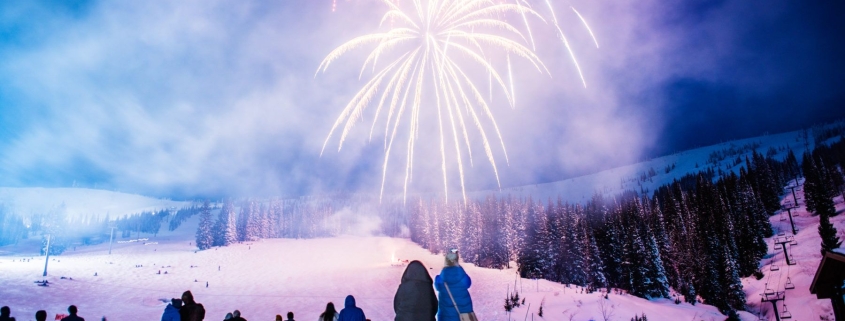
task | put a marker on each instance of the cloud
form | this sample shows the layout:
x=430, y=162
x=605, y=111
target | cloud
x=209, y=98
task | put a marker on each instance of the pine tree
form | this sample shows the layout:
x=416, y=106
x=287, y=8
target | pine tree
x=826, y=230
x=243, y=218
x=228, y=230
x=205, y=236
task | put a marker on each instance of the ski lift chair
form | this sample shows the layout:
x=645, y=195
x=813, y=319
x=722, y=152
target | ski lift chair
x=774, y=267
x=789, y=285
x=767, y=291
x=785, y=314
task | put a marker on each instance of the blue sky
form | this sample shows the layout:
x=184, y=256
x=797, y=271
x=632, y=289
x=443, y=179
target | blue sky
x=211, y=98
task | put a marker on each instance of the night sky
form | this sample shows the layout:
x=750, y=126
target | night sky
x=197, y=98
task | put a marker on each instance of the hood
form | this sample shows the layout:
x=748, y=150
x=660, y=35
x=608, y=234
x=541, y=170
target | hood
x=350, y=302
x=188, y=298
x=416, y=272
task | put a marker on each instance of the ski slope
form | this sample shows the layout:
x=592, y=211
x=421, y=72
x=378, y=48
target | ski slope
x=806, y=256
x=271, y=277
x=79, y=202
x=617, y=180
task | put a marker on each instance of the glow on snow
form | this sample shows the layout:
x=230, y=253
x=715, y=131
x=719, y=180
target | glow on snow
x=422, y=44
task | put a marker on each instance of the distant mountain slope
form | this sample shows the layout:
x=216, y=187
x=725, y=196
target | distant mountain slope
x=79, y=202
x=648, y=175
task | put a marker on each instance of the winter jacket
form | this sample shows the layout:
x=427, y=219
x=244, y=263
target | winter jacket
x=351, y=312
x=335, y=317
x=192, y=312
x=171, y=313
x=459, y=283
x=238, y=319
x=72, y=318
x=7, y=318
x=415, y=299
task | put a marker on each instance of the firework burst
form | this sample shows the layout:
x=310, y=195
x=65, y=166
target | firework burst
x=430, y=51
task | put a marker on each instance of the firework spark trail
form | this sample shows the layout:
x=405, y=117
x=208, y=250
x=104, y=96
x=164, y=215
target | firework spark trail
x=427, y=42
x=527, y=26
x=586, y=26
x=566, y=43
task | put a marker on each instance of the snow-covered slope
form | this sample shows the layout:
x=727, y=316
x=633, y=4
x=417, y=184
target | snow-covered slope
x=79, y=202
x=805, y=254
x=271, y=277
x=665, y=169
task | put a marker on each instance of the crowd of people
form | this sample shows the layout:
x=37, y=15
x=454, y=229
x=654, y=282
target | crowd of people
x=415, y=300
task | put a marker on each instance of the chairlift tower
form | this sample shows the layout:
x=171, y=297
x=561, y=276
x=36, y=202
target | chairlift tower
x=111, y=236
x=791, y=222
x=794, y=198
x=774, y=297
x=783, y=241
x=47, y=253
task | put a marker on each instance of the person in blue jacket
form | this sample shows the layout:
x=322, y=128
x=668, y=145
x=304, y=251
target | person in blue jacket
x=458, y=282
x=171, y=311
x=351, y=312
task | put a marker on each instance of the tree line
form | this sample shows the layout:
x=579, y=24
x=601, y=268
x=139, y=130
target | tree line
x=697, y=235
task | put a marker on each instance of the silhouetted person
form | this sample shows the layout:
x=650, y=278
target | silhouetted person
x=72, y=317
x=6, y=314
x=171, y=311
x=191, y=310
x=290, y=316
x=236, y=316
x=453, y=287
x=228, y=316
x=351, y=312
x=330, y=314
x=41, y=315
x=415, y=299
x=279, y=317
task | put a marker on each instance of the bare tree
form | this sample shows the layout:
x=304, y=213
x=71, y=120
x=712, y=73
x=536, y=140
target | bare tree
x=570, y=315
x=606, y=309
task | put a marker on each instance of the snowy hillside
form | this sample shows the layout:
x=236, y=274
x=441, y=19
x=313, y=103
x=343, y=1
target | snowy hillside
x=805, y=253
x=271, y=277
x=648, y=175
x=79, y=202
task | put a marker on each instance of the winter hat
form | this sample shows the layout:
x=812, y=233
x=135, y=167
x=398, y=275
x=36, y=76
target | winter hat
x=452, y=257
x=177, y=303
x=228, y=316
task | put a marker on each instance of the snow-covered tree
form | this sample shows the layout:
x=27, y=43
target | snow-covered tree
x=205, y=234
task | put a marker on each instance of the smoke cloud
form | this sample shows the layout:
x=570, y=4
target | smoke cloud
x=213, y=98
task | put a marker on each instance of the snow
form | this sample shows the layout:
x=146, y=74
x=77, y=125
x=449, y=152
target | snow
x=616, y=180
x=807, y=254
x=79, y=202
x=270, y=277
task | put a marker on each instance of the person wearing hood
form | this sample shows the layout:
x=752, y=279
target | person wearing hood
x=171, y=311
x=351, y=312
x=415, y=299
x=228, y=317
x=191, y=311
x=452, y=285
